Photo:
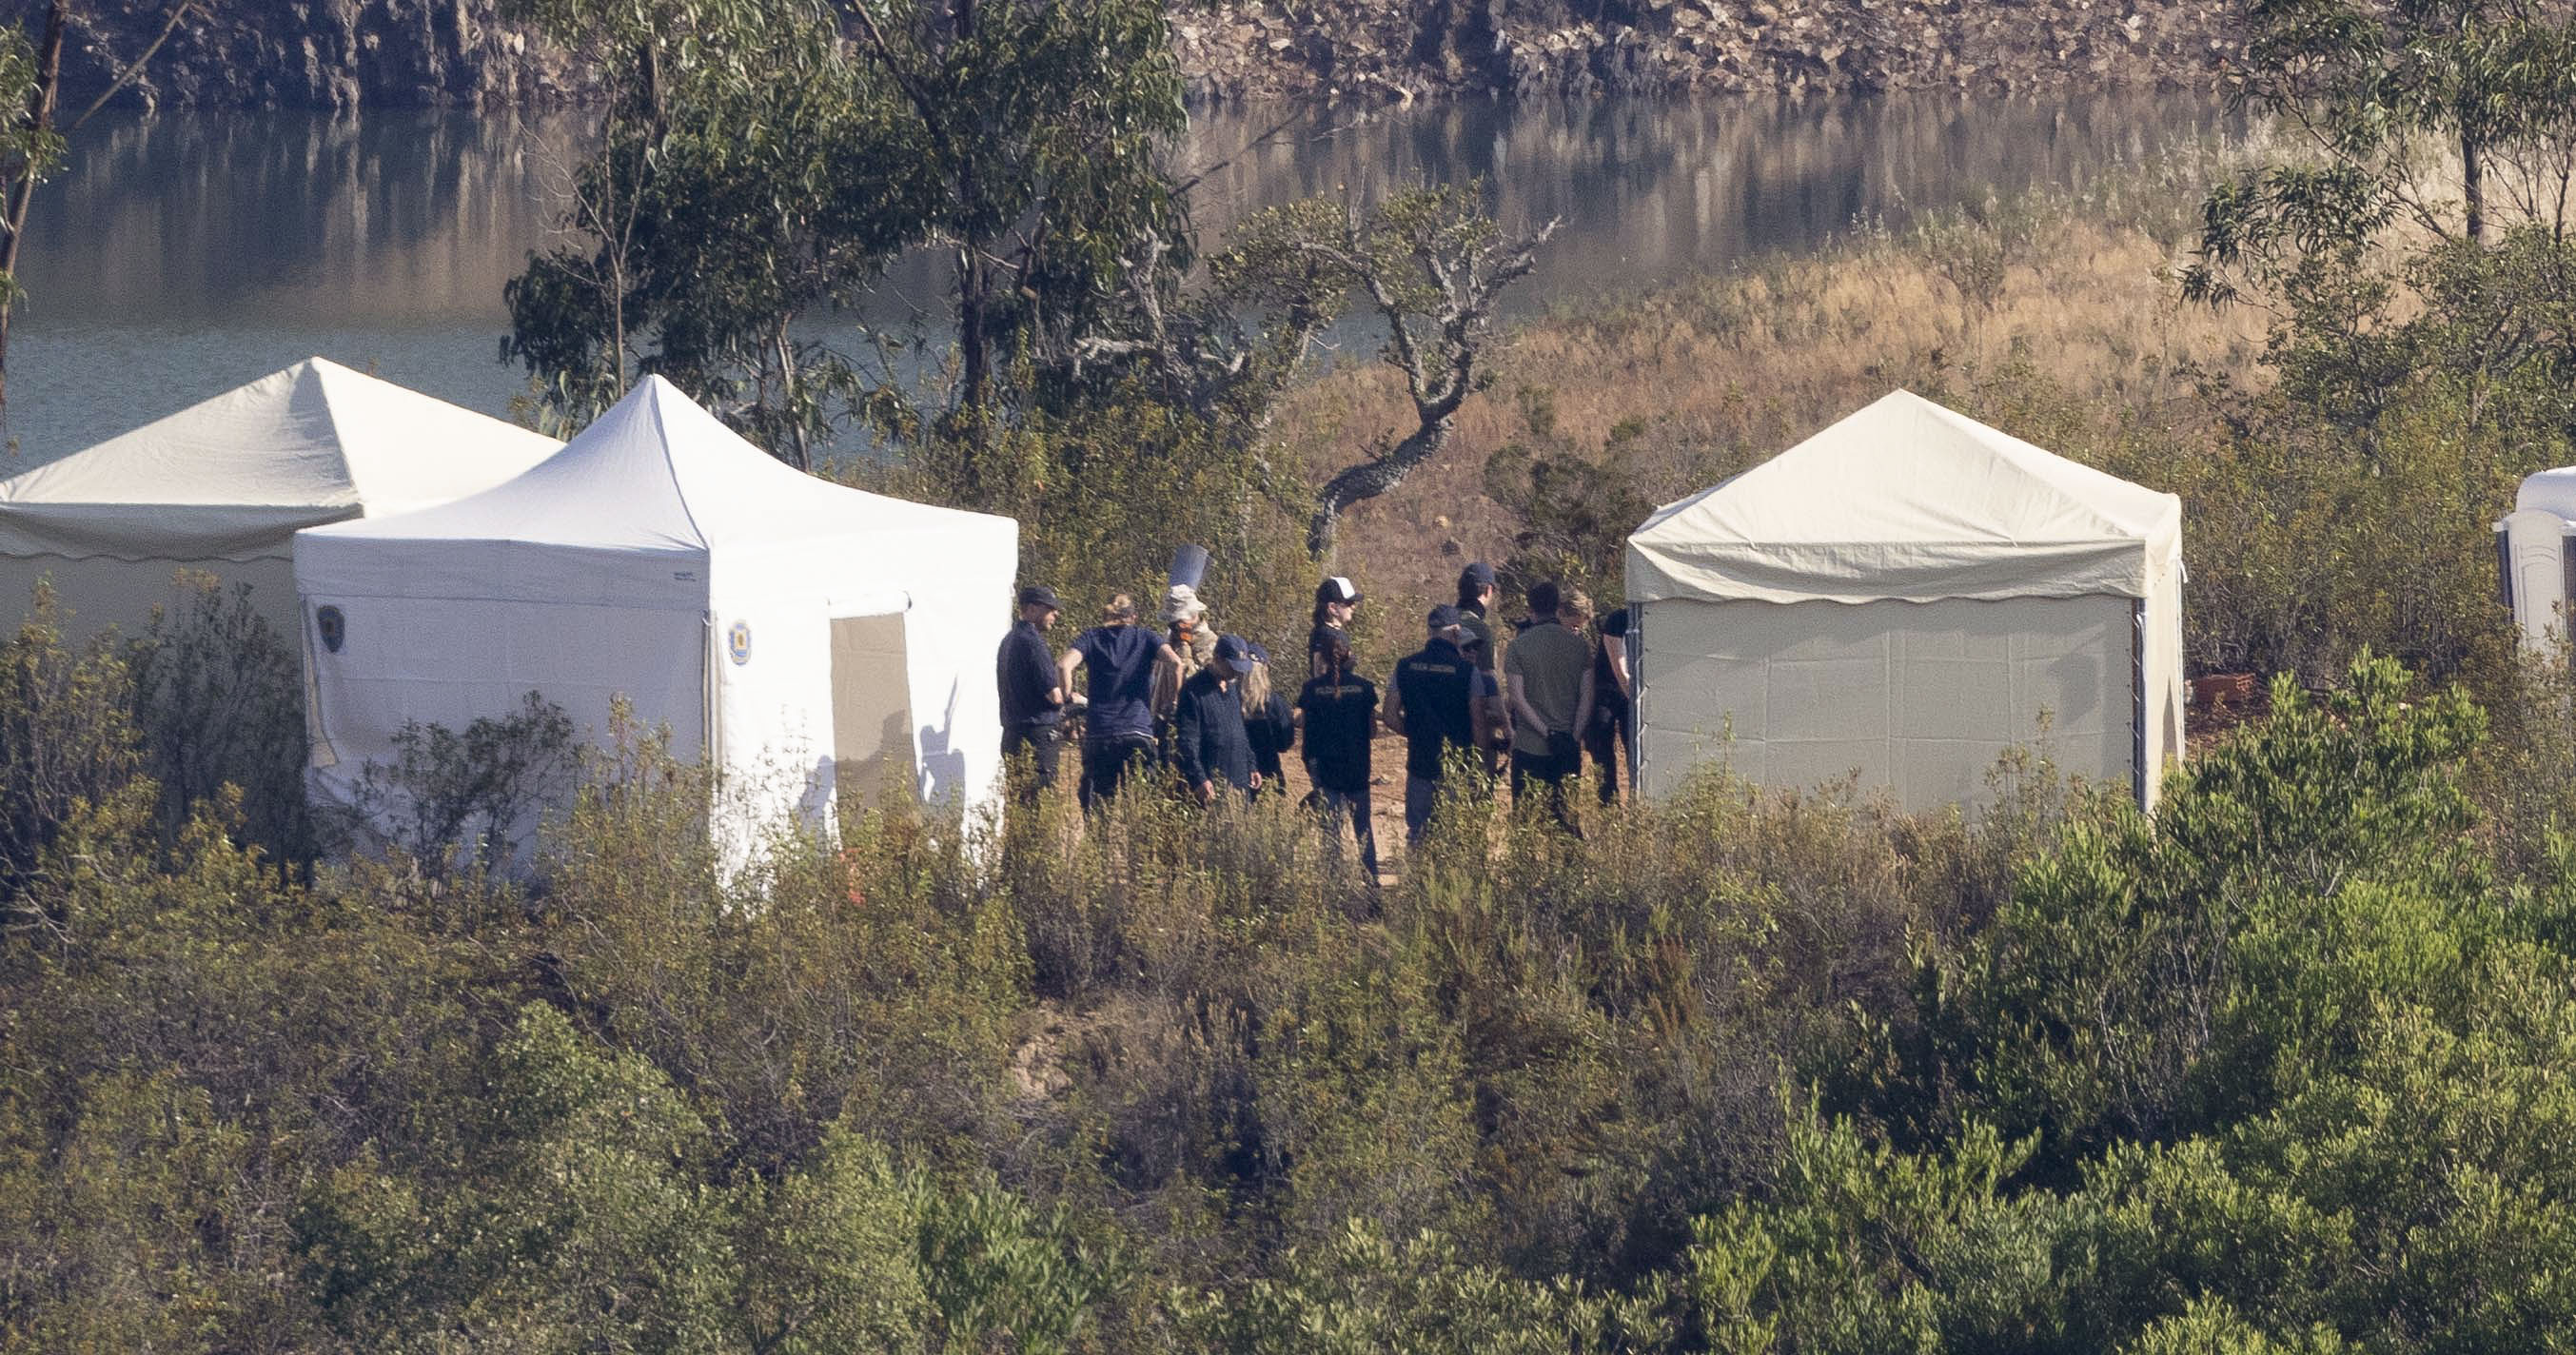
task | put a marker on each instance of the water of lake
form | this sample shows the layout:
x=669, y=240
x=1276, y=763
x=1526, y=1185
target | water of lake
x=178, y=257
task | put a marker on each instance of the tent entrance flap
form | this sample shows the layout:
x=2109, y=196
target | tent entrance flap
x=871, y=708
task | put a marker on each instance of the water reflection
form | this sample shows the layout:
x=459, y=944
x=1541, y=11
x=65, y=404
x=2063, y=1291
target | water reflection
x=177, y=257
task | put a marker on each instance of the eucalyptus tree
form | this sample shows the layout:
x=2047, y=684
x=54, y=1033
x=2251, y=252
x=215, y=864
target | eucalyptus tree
x=2431, y=173
x=762, y=161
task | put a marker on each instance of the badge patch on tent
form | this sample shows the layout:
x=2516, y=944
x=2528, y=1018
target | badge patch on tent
x=333, y=626
x=738, y=642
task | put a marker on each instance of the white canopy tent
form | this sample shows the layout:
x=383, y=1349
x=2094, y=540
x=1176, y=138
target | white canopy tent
x=2536, y=555
x=222, y=486
x=1905, y=594
x=799, y=634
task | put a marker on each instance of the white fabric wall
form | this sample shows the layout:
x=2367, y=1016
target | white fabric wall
x=774, y=702
x=2163, y=672
x=2535, y=545
x=453, y=661
x=1918, y=697
x=103, y=592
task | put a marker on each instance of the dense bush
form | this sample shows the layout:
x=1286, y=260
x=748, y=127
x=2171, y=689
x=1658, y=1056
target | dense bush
x=1743, y=1070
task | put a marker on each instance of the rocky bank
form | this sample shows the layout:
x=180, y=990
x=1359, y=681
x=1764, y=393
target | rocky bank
x=344, y=54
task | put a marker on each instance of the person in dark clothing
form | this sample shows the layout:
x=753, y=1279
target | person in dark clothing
x=1208, y=742
x=1547, y=682
x=1118, y=732
x=1268, y=724
x=1431, y=701
x=1337, y=599
x=1613, y=723
x=1341, y=716
x=1032, y=694
x=1477, y=590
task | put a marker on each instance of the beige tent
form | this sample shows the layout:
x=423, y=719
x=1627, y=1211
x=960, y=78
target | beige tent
x=1908, y=594
x=222, y=486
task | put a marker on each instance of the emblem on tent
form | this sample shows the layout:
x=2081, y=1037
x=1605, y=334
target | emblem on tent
x=738, y=642
x=333, y=626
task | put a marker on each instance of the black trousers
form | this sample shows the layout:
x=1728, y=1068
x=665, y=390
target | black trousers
x=1356, y=802
x=1547, y=771
x=1107, y=763
x=1045, y=744
x=1609, y=732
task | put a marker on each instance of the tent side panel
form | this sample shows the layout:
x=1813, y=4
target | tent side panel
x=960, y=612
x=102, y=592
x=2535, y=553
x=773, y=663
x=2164, y=680
x=1920, y=698
x=451, y=662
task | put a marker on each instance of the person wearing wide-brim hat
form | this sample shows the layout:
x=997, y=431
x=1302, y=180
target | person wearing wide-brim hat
x=1188, y=643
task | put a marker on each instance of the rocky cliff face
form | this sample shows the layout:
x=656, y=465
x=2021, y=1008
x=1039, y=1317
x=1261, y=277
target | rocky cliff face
x=344, y=54
x=1364, y=50
x=335, y=54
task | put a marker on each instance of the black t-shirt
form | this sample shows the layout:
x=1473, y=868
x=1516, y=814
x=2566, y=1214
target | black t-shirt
x=1340, y=718
x=1026, y=673
x=1436, y=686
x=1119, y=664
x=1605, y=684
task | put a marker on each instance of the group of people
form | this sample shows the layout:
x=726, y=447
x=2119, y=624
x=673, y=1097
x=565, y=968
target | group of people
x=1202, y=705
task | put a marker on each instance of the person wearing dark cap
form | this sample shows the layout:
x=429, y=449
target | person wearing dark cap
x=1032, y=692
x=1268, y=723
x=1336, y=599
x=1118, y=731
x=1341, y=712
x=1476, y=592
x=1208, y=741
x=1431, y=701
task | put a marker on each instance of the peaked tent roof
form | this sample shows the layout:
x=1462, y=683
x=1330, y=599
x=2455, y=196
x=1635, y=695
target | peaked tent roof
x=234, y=476
x=1906, y=499
x=654, y=473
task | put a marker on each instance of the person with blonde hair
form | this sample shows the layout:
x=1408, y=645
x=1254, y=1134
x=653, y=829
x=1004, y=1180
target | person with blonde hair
x=1118, y=733
x=1268, y=724
x=1189, y=642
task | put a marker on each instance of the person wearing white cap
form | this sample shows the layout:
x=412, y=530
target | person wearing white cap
x=1336, y=599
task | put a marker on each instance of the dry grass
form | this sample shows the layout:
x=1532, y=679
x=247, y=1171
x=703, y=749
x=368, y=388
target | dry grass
x=1717, y=374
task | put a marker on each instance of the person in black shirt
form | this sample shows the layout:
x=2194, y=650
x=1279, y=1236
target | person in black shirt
x=1432, y=703
x=1337, y=599
x=1118, y=731
x=1208, y=743
x=1613, y=723
x=1268, y=724
x=1032, y=697
x=1341, y=716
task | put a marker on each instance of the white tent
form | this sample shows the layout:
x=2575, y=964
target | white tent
x=221, y=487
x=1904, y=594
x=799, y=634
x=2537, y=557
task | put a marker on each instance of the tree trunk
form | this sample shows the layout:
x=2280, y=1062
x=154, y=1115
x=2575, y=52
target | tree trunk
x=1374, y=477
x=2473, y=190
x=40, y=115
